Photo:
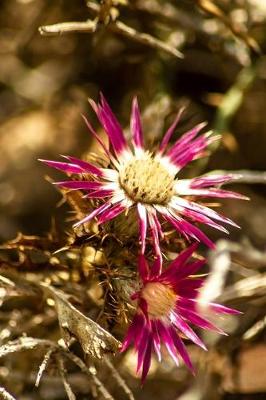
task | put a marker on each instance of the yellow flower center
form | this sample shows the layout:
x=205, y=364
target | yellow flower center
x=160, y=299
x=147, y=180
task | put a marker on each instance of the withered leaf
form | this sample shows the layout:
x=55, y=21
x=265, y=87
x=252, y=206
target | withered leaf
x=94, y=340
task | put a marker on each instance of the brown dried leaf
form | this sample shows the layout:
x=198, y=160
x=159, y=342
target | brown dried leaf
x=94, y=340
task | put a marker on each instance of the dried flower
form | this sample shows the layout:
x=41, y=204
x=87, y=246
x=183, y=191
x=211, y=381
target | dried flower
x=148, y=180
x=166, y=306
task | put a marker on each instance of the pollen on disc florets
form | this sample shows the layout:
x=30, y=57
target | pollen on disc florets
x=147, y=180
x=160, y=299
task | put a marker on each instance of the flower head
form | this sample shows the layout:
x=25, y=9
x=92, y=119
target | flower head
x=148, y=180
x=167, y=304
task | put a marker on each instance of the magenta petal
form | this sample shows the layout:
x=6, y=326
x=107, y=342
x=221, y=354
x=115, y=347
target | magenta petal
x=135, y=125
x=147, y=359
x=188, y=287
x=156, y=339
x=144, y=308
x=186, y=149
x=181, y=349
x=185, y=140
x=85, y=166
x=156, y=268
x=211, y=180
x=97, y=137
x=220, y=309
x=190, y=269
x=187, y=331
x=62, y=166
x=86, y=185
x=195, y=150
x=111, y=126
x=143, y=267
x=220, y=193
x=180, y=261
x=134, y=332
x=189, y=230
x=142, y=225
x=197, y=217
x=155, y=234
x=99, y=194
x=141, y=347
x=111, y=213
x=167, y=340
x=93, y=214
x=170, y=132
x=199, y=321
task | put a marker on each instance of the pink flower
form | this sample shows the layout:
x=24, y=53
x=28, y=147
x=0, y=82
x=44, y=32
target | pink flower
x=148, y=180
x=166, y=306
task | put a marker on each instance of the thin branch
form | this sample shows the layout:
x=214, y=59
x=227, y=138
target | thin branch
x=144, y=38
x=244, y=176
x=90, y=26
x=29, y=343
x=63, y=373
x=43, y=366
x=91, y=372
x=121, y=382
x=68, y=27
x=5, y=395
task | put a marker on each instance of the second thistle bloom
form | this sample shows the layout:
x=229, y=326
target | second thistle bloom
x=167, y=304
x=148, y=180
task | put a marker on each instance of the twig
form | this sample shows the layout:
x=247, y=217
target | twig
x=43, y=366
x=5, y=395
x=244, y=176
x=121, y=382
x=68, y=27
x=90, y=26
x=63, y=373
x=255, y=330
x=144, y=38
x=91, y=373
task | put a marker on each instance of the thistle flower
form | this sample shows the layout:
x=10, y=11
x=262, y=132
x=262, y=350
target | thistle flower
x=148, y=180
x=166, y=306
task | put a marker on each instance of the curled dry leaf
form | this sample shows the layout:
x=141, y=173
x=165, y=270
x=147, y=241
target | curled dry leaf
x=94, y=340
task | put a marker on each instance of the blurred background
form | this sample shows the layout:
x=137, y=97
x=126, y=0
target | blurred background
x=47, y=76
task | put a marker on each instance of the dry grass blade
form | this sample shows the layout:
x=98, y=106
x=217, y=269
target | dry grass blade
x=120, y=381
x=29, y=343
x=68, y=27
x=253, y=287
x=43, y=366
x=144, y=38
x=220, y=262
x=94, y=340
x=63, y=373
x=5, y=395
x=24, y=343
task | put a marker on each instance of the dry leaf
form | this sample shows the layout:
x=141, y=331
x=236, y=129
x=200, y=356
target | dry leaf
x=94, y=340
